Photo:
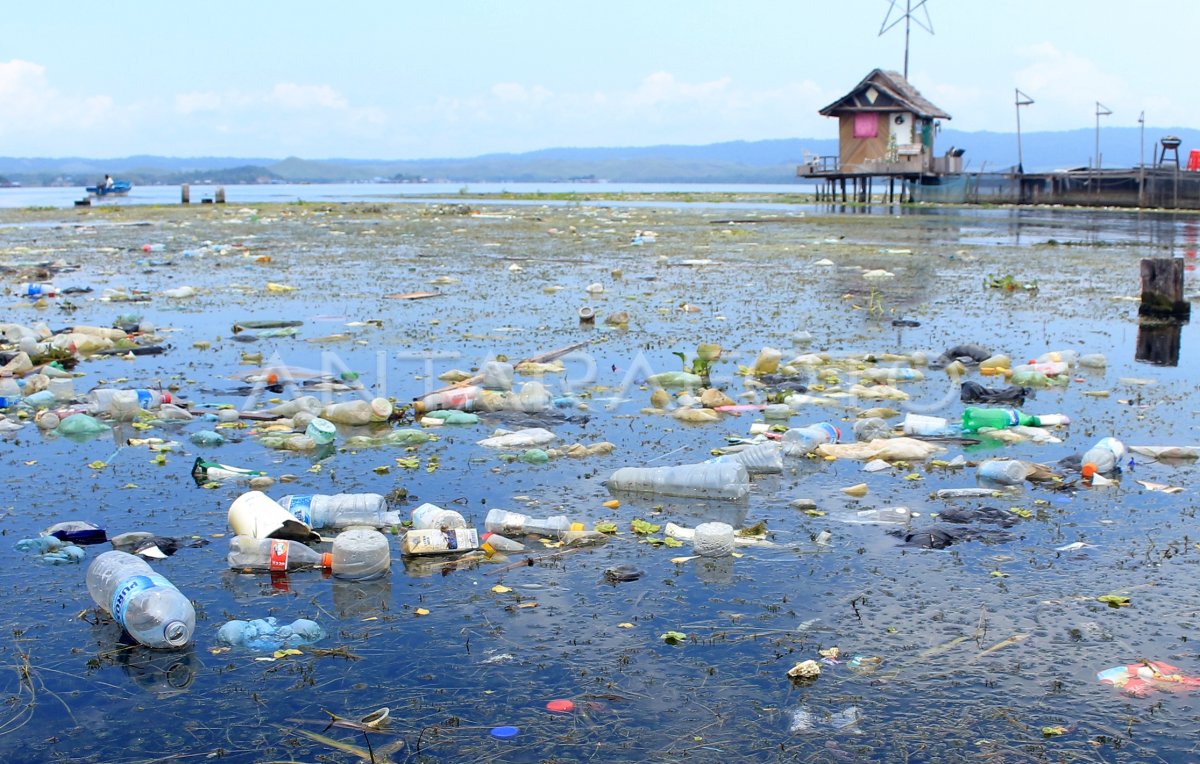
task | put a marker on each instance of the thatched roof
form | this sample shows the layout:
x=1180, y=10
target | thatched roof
x=891, y=93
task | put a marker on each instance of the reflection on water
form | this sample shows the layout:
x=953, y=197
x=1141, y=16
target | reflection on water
x=1158, y=342
x=362, y=599
x=163, y=674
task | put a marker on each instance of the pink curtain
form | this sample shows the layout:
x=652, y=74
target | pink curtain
x=866, y=125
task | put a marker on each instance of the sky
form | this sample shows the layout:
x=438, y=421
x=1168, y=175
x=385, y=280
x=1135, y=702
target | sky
x=413, y=79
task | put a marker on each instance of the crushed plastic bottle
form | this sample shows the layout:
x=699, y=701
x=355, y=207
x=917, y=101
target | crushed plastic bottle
x=706, y=480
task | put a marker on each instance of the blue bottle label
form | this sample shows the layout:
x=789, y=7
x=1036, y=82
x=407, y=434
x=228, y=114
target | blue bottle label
x=301, y=509
x=143, y=399
x=130, y=588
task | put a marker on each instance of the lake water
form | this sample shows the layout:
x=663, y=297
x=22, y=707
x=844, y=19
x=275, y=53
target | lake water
x=986, y=650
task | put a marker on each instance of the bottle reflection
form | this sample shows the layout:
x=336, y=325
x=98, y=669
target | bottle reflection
x=362, y=599
x=161, y=673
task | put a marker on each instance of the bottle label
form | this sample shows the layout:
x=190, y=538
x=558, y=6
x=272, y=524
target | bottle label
x=129, y=589
x=279, y=555
x=301, y=509
x=143, y=399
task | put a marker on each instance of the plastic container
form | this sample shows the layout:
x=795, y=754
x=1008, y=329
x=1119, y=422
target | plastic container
x=296, y=405
x=274, y=555
x=497, y=375
x=358, y=412
x=256, y=515
x=713, y=540
x=975, y=418
x=1093, y=361
x=10, y=392
x=801, y=441
x=777, y=412
x=146, y=604
x=360, y=554
x=342, y=510
x=1103, y=458
x=432, y=516
x=121, y=403
x=1003, y=471
x=583, y=538
x=516, y=524
x=919, y=424
x=706, y=480
x=1067, y=357
x=62, y=388
x=322, y=431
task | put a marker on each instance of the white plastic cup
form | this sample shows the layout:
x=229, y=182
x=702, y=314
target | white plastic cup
x=713, y=540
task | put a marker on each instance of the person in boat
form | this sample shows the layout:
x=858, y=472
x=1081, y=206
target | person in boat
x=108, y=182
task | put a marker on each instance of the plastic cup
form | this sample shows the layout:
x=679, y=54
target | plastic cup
x=713, y=540
x=322, y=431
x=360, y=554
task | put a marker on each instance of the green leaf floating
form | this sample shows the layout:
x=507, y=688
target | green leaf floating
x=1115, y=600
x=673, y=637
x=644, y=528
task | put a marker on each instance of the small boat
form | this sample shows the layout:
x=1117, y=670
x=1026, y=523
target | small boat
x=118, y=188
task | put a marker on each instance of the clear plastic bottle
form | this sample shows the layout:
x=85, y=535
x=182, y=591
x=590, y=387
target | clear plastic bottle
x=497, y=543
x=871, y=428
x=10, y=392
x=1093, y=361
x=358, y=412
x=341, y=510
x=1103, y=458
x=274, y=555
x=920, y=424
x=112, y=400
x=146, y=604
x=759, y=459
x=459, y=398
x=34, y=289
x=1003, y=471
x=432, y=516
x=706, y=480
x=516, y=524
x=800, y=441
x=360, y=554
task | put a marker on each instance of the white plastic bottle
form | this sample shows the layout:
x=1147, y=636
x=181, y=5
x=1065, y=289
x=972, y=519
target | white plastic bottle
x=274, y=555
x=34, y=289
x=1103, y=458
x=358, y=412
x=706, y=480
x=341, y=510
x=1003, y=471
x=360, y=554
x=800, y=441
x=146, y=604
x=109, y=398
x=516, y=524
x=432, y=516
x=10, y=392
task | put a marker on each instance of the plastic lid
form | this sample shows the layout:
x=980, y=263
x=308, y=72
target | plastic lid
x=1088, y=470
x=505, y=732
x=381, y=407
x=561, y=706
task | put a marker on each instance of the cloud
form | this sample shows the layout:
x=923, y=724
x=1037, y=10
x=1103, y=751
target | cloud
x=289, y=95
x=191, y=103
x=1053, y=76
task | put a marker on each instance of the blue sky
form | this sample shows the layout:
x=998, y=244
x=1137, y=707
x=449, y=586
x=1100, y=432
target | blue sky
x=406, y=79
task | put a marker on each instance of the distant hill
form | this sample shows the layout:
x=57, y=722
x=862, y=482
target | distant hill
x=767, y=161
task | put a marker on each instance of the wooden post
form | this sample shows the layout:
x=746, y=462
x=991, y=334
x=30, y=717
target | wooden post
x=220, y=195
x=1162, y=289
x=185, y=192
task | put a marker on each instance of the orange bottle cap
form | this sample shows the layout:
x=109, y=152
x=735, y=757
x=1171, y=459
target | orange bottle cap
x=1088, y=470
x=327, y=560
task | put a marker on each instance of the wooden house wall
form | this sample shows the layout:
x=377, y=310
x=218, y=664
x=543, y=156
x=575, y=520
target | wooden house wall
x=853, y=150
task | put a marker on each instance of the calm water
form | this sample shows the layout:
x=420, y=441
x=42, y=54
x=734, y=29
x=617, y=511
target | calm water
x=975, y=648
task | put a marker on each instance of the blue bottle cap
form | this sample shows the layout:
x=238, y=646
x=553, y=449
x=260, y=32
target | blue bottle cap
x=505, y=732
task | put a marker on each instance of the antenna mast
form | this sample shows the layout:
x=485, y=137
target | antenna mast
x=907, y=18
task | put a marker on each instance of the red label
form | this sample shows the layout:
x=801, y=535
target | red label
x=279, y=555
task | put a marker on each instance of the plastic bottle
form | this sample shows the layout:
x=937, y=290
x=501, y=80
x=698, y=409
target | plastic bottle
x=516, y=524
x=275, y=555
x=1003, y=471
x=759, y=459
x=919, y=424
x=1068, y=357
x=341, y=510
x=358, y=412
x=713, y=540
x=460, y=398
x=255, y=514
x=10, y=392
x=113, y=400
x=63, y=389
x=1103, y=458
x=146, y=604
x=996, y=364
x=432, y=516
x=34, y=289
x=800, y=441
x=497, y=543
x=360, y=554
x=974, y=418
x=290, y=408
x=322, y=431
x=707, y=480
x=1093, y=361
x=871, y=428
x=580, y=538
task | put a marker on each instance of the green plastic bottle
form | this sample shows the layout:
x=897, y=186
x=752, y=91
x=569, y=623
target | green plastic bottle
x=975, y=417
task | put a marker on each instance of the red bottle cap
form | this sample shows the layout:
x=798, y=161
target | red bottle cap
x=561, y=706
